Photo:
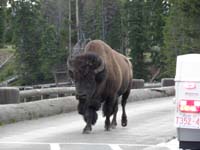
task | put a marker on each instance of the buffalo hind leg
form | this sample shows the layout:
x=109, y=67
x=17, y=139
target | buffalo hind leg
x=90, y=118
x=114, y=120
x=123, y=103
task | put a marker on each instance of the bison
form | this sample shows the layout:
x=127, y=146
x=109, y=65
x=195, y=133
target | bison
x=101, y=75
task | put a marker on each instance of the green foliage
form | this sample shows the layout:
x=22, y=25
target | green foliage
x=51, y=55
x=2, y=26
x=2, y=22
x=138, y=41
x=152, y=32
x=28, y=39
x=92, y=24
x=158, y=10
x=145, y=25
x=9, y=27
x=181, y=33
x=114, y=36
x=48, y=51
x=190, y=8
x=40, y=38
x=9, y=69
x=103, y=20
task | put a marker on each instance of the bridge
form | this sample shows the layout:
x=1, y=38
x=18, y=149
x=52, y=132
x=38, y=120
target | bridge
x=53, y=124
x=150, y=123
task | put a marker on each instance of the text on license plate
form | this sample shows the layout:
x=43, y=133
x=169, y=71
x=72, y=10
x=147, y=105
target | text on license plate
x=187, y=121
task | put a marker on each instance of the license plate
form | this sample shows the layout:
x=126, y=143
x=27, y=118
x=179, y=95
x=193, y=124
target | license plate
x=188, y=121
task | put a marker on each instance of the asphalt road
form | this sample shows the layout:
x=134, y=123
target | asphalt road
x=150, y=122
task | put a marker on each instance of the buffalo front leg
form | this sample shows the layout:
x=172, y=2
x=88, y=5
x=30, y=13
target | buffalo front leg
x=90, y=118
x=107, y=124
x=108, y=110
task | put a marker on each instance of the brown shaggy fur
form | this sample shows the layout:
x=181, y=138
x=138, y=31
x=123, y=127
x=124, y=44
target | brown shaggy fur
x=118, y=67
x=113, y=81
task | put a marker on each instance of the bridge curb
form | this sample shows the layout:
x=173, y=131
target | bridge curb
x=11, y=113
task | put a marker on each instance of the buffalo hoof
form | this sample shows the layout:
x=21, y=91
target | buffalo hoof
x=124, y=121
x=87, y=130
x=113, y=125
x=107, y=128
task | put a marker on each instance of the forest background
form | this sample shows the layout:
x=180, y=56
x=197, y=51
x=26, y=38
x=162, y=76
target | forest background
x=151, y=32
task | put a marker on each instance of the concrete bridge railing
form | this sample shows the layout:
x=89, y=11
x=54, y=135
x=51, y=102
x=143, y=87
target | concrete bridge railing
x=13, y=110
x=14, y=95
x=46, y=93
x=11, y=113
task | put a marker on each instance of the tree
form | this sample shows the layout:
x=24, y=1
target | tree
x=48, y=52
x=113, y=24
x=157, y=13
x=28, y=29
x=2, y=22
x=51, y=55
x=181, y=33
x=138, y=41
x=91, y=21
x=145, y=22
x=102, y=19
x=40, y=38
x=9, y=26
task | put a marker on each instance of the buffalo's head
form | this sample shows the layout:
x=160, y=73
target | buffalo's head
x=87, y=71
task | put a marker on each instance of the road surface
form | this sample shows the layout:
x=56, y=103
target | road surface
x=150, y=122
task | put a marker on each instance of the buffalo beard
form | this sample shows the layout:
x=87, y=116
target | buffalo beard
x=89, y=110
x=90, y=114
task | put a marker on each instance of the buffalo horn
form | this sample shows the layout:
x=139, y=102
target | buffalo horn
x=69, y=65
x=100, y=68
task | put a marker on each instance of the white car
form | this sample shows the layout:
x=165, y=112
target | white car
x=187, y=85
